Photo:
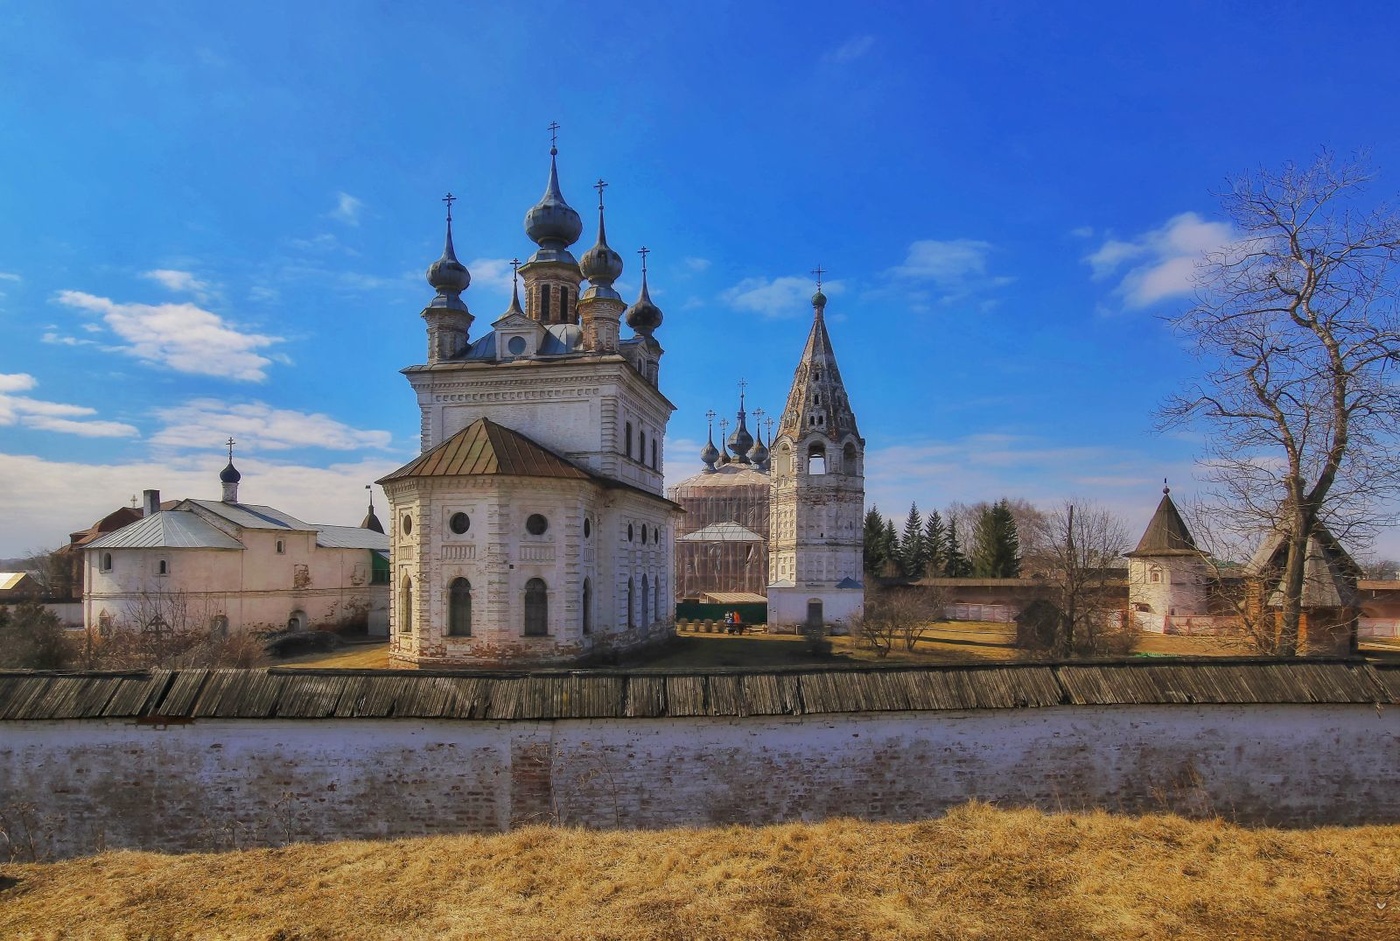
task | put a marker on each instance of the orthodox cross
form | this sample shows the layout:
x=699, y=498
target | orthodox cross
x=758, y=414
x=229, y=442
x=770, y=423
x=818, y=271
x=600, y=186
x=644, y=252
x=449, y=199
x=709, y=418
x=133, y=501
x=723, y=427
x=743, y=384
x=553, y=135
x=515, y=273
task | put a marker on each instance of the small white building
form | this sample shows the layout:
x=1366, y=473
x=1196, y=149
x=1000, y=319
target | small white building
x=229, y=566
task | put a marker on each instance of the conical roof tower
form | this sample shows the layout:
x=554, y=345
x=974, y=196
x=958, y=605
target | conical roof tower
x=817, y=401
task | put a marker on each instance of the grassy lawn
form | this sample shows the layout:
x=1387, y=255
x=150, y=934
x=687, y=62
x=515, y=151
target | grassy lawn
x=979, y=872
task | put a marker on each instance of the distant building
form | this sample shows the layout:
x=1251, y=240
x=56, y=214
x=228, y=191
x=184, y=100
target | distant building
x=532, y=528
x=230, y=566
x=18, y=586
x=1167, y=574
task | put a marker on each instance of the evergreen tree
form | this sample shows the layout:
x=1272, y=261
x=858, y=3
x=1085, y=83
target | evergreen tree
x=956, y=564
x=996, y=546
x=935, y=544
x=891, y=548
x=875, y=548
x=911, y=545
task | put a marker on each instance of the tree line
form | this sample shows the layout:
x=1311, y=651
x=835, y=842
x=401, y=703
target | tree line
x=979, y=541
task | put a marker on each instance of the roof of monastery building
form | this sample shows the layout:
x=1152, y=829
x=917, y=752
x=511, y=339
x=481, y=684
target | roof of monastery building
x=484, y=447
x=1167, y=533
x=721, y=532
x=168, y=529
x=1330, y=575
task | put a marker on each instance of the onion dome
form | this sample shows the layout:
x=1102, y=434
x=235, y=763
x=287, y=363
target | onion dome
x=230, y=474
x=644, y=316
x=759, y=454
x=740, y=442
x=600, y=264
x=448, y=276
x=371, y=521
x=819, y=299
x=551, y=223
x=709, y=454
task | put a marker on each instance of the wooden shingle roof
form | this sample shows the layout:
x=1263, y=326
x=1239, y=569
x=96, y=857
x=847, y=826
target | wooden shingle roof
x=1166, y=534
x=484, y=447
x=281, y=693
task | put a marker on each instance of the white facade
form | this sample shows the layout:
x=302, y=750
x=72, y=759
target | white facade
x=818, y=505
x=532, y=528
x=231, y=567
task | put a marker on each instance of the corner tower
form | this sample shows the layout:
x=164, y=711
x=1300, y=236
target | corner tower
x=1166, y=572
x=817, y=461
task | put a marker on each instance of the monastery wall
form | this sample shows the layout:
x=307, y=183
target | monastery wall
x=78, y=786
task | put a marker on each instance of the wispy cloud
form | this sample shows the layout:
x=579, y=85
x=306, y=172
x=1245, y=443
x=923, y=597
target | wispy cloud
x=776, y=297
x=942, y=272
x=182, y=337
x=52, y=416
x=491, y=273
x=851, y=49
x=261, y=426
x=58, y=339
x=697, y=265
x=1159, y=263
x=347, y=209
x=182, y=282
x=9, y=276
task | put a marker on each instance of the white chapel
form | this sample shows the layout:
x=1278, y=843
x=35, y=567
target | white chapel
x=533, y=528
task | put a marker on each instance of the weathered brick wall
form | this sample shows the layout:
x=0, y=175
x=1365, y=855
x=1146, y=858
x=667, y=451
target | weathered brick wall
x=73, y=787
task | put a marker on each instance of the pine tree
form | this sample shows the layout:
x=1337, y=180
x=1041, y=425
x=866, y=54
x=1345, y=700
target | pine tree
x=891, y=548
x=875, y=554
x=996, y=546
x=956, y=564
x=935, y=544
x=911, y=545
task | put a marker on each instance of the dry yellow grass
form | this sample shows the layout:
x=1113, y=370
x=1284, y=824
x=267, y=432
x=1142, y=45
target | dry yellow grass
x=977, y=873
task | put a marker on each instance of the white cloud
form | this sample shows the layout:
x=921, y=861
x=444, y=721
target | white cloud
x=1160, y=263
x=9, y=276
x=61, y=497
x=948, y=264
x=697, y=265
x=200, y=422
x=26, y=412
x=851, y=49
x=178, y=281
x=1082, y=232
x=491, y=273
x=347, y=209
x=59, y=340
x=776, y=297
x=183, y=337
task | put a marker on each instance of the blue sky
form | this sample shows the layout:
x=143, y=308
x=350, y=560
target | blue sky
x=214, y=220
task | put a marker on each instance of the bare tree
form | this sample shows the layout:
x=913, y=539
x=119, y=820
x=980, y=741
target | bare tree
x=1082, y=548
x=1298, y=319
x=899, y=615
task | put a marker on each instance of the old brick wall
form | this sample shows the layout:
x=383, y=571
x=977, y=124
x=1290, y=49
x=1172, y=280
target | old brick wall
x=73, y=787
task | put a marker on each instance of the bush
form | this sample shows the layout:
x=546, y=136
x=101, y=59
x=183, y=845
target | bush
x=31, y=638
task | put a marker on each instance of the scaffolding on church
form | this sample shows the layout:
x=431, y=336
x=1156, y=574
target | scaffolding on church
x=722, y=543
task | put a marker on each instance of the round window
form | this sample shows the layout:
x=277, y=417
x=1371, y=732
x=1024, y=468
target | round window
x=459, y=523
x=536, y=524
x=407, y=524
x=516, y=345
x=587, y=527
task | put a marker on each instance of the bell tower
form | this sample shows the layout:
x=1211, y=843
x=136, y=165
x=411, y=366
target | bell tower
x=817, y=461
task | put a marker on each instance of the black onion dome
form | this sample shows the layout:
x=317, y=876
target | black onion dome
x=709, y=453
x=552, y=220
x=644, y=316
x=230, y=474
x=759, y=454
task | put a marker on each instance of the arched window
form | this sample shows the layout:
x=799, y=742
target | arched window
x=631, y=590
x=546, y=303
x=536, y=608
x=848, y=459
x=459, y=608
x=645, y=620
x=297, y=621
x=406, y=605
x=1155, y=575
x=162, y=567
x=816, y=459
x=587, y=606
x=656, y=598
x=642, y=446
x=105, y=565
x=653, y=455
x=629, y=439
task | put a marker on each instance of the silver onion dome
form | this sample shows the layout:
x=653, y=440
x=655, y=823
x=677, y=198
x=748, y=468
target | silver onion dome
x=230, y=474
x=551, y=223
x=600, y=264
x=448, y=276
x=709, y=453
x=644, y=316
x=759, y=454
